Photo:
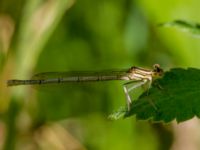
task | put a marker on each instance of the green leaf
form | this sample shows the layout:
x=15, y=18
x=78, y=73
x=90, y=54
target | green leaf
x=193, y=28
x=175, y=96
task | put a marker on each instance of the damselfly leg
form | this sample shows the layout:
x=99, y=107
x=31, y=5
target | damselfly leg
x=128, y=87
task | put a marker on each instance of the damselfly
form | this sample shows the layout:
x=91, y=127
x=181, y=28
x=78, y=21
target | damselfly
x=137, y=76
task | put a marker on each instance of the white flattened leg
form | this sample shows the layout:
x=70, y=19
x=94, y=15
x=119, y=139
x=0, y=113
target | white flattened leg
x=136, y=84
x=128, y=99
x=147, y=86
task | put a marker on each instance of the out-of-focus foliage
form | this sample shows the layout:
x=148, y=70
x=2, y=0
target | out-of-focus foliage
x=185, y=26
x=61, y=35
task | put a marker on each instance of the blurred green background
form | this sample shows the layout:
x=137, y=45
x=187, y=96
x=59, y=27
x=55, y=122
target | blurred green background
x=63, y=35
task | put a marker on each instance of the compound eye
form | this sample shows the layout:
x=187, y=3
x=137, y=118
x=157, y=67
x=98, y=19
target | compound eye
x=157, y=69
x=156, y=66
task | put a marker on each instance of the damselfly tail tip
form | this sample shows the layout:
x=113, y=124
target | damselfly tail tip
x=13, y=82
x=9, y=82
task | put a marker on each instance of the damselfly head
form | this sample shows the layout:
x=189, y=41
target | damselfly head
x=157, y=70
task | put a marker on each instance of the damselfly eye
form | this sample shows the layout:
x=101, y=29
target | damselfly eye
x=156, y=66
x=158, y=70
